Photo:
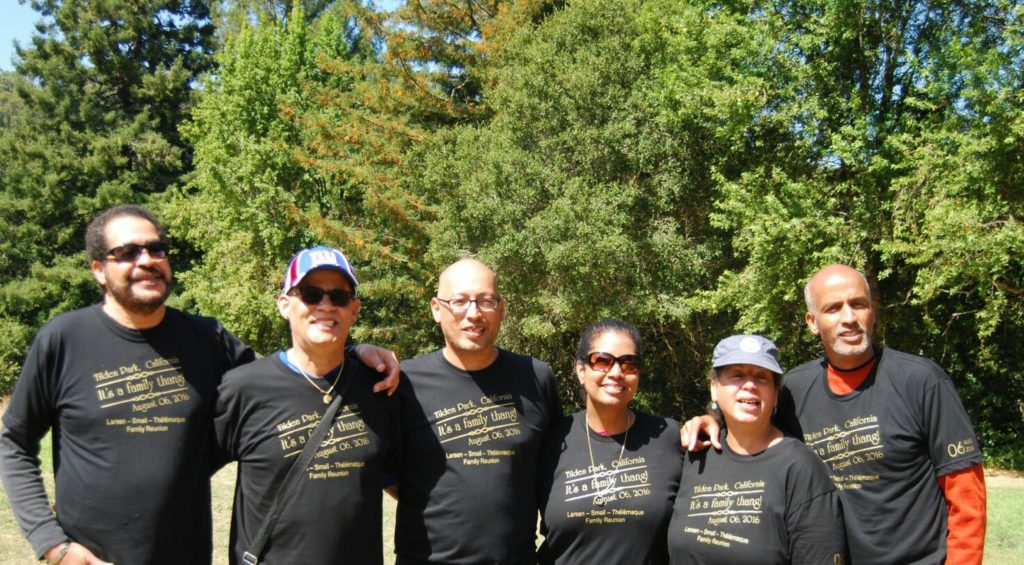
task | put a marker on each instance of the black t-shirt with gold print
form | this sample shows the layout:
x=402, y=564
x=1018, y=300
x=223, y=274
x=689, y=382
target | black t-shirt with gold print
x=471, y=455
x=884, y=445
x=130, y=412
x=772, y=508
x=265, y=413
x=605, y=501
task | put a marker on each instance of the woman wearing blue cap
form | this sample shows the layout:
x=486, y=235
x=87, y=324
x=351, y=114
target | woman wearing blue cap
x=764, y=498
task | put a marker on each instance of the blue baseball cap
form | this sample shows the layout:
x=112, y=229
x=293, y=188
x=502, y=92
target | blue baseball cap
x=317, y=259
x=749, y=350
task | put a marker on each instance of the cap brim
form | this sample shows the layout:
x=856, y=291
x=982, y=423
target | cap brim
x=743, y=358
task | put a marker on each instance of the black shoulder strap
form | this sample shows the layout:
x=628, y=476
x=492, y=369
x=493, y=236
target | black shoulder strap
x=295, y=473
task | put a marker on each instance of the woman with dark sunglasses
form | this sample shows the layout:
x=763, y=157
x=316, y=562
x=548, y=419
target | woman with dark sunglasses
x=765, y=498
x=610, y=472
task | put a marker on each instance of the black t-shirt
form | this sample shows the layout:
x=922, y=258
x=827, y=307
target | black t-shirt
x=771, y=508
x=471, y=445
x=130, y=412
x=612, y=509
x=265, y=412
x=884, y=444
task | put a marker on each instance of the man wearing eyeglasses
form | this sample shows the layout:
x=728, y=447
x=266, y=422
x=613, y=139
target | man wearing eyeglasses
x=473, y=418
x=127, y=387
x=267, y=409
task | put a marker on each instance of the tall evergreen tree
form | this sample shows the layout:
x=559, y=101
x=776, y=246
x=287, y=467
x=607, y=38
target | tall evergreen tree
x=908, y=167
x=688, y=165
x=252, y=201
x=106, y=84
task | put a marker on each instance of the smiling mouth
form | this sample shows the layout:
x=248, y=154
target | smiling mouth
x=328, y=324
x=474, y=331
x=851, y=335
x=149, y=281
x=148, y=277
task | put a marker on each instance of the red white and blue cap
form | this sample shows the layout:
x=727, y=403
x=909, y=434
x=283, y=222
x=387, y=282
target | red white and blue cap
x=747, y=350
x=317, y=258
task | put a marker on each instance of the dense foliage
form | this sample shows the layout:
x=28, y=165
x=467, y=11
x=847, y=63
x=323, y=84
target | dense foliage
x=685, y=166
x=99, y=95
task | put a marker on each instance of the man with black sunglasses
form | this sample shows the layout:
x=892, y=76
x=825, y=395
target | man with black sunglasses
x=473, y=420
x=127, y=386
x=266, y=410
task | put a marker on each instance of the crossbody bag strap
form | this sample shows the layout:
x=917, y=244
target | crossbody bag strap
x=291, y=479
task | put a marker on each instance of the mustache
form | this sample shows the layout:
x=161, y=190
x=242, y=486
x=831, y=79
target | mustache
x=153, y=272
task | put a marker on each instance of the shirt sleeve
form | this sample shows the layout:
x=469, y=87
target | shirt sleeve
x=785, y=414
x=965, y=501
x=952, y=444
x=226, y=428
x=817, y=533
x=393, y=462
x=236, y=352
x=26, y=422
x=549, y=389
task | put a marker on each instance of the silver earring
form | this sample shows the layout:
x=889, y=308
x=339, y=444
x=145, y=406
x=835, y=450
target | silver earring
x=714, y=405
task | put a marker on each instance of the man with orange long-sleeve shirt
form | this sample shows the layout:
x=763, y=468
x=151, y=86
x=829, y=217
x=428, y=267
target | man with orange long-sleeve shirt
x=891, y=429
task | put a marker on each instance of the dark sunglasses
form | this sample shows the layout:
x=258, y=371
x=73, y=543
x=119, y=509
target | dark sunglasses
x=131, y=251
x=312, y=295
x=603, y=362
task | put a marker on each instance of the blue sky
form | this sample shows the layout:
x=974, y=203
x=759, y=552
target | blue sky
x=16, y=22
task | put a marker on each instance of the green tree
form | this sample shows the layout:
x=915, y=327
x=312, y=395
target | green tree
x=286, y=157
x=589, y=202
x=104, y=85
x=313, y=125
x=909, y=168
x=687, y=167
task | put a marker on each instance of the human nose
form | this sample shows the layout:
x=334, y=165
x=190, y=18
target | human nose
x=847, y=315
x=144, y=257
x=325, y=302
x=472, y=309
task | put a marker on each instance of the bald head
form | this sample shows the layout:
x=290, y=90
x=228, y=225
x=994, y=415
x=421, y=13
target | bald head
x=826, y=273
x=466, y=271
x=469, y=332
x=840, y=312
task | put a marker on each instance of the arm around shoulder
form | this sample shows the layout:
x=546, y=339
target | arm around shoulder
x=383, y=361
x=699, y=433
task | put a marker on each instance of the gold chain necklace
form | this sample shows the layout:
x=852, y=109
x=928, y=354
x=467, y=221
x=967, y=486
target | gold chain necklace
x=328, y=397
x=600, y=498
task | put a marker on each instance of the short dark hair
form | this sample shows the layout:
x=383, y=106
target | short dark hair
x=96, y=245
x=596, y=329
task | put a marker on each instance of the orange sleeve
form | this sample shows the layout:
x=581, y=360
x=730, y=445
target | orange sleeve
x=965, y=501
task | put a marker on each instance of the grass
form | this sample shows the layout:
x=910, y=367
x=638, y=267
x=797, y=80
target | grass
x=1004, y=544
x=14, y=548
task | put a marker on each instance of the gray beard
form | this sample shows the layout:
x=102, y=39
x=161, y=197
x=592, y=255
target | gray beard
x=850, y=350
